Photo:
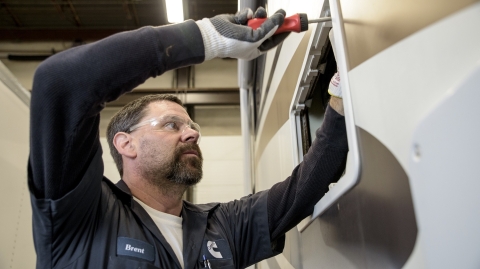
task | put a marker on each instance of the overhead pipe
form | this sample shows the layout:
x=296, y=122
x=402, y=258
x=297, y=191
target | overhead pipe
x=246, y=83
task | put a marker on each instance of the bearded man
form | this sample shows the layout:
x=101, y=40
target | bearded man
x=82, y=220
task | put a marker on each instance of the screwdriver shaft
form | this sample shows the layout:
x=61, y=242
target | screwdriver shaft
x=322, y=19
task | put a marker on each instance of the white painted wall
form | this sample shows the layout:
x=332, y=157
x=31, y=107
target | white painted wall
x=222, y=169
x=222, y=148
x=16, y=247
x=217, y=73
x=276, y=163
x=23, y=71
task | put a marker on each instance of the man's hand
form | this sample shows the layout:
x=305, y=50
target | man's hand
x=228, y=36
x=337, y=104
x=335, y=90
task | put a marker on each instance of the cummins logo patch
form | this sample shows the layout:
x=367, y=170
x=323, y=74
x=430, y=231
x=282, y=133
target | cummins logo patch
x=216, y=249
x=211, y=246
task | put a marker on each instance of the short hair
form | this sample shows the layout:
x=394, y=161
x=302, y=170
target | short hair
x=130, y=115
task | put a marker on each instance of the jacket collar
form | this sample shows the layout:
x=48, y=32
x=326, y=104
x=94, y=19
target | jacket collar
x=123, y=193
x=194, y=223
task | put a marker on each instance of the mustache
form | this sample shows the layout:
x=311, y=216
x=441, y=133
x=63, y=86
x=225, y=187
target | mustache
x=188, y=147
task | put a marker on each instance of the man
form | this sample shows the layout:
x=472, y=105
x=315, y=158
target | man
x=82, y=220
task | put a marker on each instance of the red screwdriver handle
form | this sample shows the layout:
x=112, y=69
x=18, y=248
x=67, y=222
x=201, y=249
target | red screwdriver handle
x=295, y=23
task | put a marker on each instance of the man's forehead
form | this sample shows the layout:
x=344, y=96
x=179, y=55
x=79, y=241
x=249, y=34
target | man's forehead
x=163, y=107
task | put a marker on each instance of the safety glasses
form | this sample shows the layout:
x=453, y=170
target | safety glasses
x=168, y=123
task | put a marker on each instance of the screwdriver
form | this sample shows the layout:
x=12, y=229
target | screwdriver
x=295, y=23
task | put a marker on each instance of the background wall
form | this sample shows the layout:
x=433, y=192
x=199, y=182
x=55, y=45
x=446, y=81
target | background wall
x=222, y=148
x=216, y=73
x=16, y=248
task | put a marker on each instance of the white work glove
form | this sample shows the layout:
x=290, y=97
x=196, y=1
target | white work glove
x=228, y=36
x=334, y=88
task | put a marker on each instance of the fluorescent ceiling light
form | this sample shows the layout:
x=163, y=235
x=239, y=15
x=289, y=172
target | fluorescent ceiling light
x=174, y=10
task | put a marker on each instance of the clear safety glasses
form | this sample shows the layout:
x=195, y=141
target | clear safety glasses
x=169, y=123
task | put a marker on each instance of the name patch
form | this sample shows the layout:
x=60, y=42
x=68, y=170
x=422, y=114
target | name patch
x=135, y=248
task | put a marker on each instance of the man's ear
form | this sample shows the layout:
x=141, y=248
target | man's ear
x=123, y=143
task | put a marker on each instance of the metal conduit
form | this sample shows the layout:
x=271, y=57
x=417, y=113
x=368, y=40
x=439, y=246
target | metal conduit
x=246, y=83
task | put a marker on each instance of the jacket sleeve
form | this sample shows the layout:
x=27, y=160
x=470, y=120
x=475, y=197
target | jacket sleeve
x=292, y=200
x=71, y=88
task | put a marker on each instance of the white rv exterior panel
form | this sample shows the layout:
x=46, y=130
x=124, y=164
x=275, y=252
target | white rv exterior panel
x=402, y=213
x=394, y=89
x=444, y=157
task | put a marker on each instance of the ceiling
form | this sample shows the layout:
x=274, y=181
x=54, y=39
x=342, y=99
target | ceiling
x=33, y=30
x=47, y=20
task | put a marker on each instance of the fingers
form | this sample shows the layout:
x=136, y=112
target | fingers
x=229, y=35
x=281, y=11
x=260, y=13
x=273, y=41
x=246, y=14
x=265, y=30
x=335, y=88
x=243, y=16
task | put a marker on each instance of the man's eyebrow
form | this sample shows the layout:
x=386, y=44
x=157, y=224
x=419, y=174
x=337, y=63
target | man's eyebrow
x=168, y=116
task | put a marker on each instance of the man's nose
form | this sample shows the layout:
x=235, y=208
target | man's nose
x=190, y=135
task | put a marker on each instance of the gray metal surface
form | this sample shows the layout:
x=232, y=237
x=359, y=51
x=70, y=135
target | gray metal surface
x=373, y=225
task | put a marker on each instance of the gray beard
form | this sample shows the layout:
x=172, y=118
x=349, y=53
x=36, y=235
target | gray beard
x=186, y=172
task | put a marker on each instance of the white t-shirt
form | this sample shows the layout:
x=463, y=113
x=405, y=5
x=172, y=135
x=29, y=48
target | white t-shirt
x=170, y=226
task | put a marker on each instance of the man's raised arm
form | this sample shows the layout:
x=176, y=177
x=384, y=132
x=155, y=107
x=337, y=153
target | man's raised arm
x=71, y=88
x=292, y=200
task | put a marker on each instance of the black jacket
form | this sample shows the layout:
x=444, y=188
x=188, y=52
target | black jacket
x=82, y=220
